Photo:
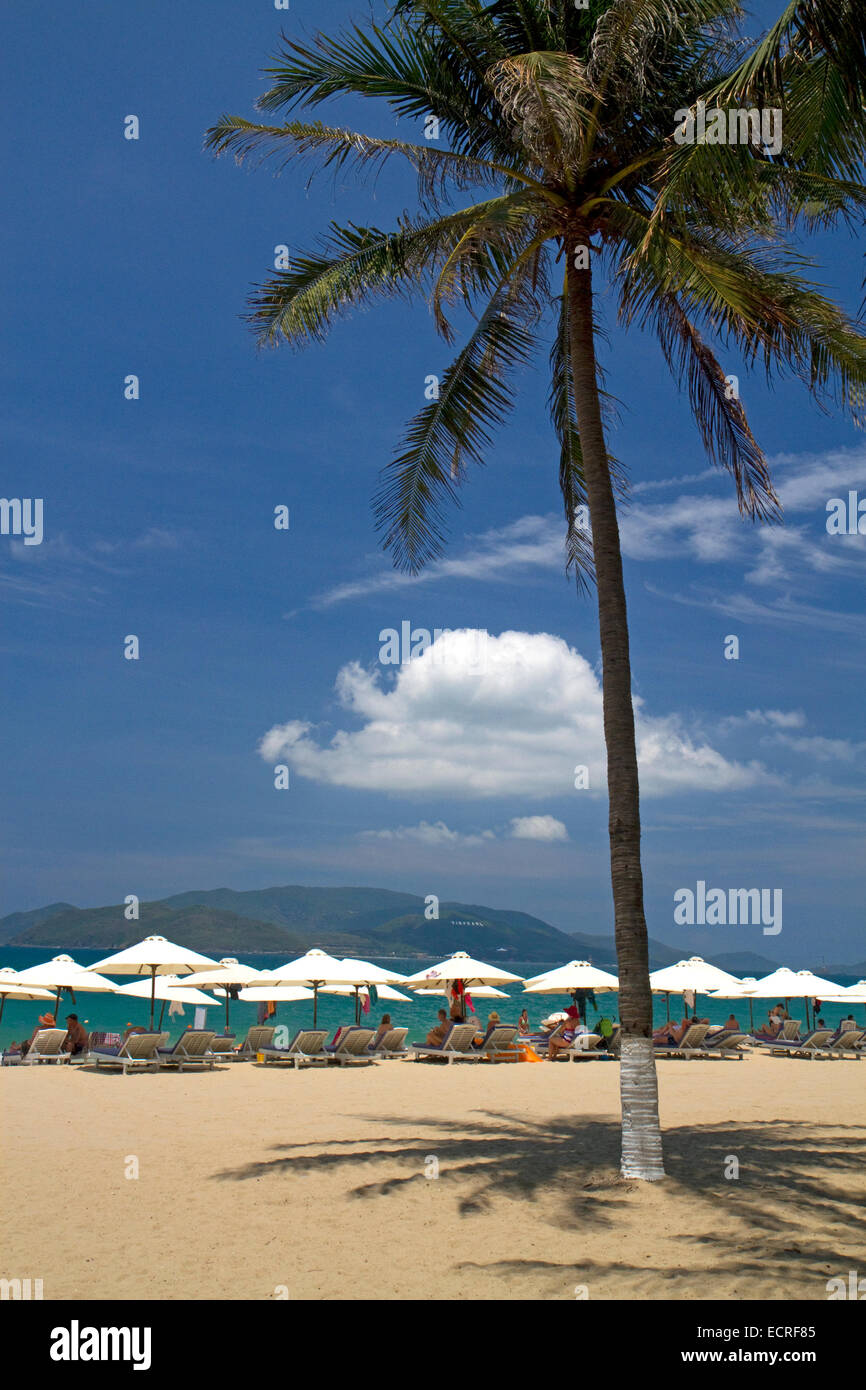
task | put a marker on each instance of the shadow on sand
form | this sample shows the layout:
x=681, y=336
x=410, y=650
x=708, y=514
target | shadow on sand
x=791, y=1219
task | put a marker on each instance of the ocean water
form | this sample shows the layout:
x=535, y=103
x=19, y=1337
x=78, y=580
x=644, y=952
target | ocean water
x=113, y=1013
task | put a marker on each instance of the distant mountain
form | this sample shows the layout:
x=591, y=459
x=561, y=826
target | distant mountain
x=206, y=930
x=347, y=921
x=18, y=922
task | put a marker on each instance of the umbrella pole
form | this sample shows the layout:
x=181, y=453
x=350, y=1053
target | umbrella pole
x=668, y=1005
x=57, y=1006
x=315, y=1003
x=2, y=1005
x=227, y=1010
x=357, y=1005
x=152, y=994
x=161, y=1013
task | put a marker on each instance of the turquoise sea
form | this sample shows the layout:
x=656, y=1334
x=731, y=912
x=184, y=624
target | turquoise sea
x=112, y=1013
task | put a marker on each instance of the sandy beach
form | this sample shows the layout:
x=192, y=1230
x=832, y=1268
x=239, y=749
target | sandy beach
x=259, y=1183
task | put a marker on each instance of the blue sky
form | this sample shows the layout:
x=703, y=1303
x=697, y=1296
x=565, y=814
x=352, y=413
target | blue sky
x=148, y=776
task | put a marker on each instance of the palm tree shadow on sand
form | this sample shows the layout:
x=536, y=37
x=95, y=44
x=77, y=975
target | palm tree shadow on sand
x=790, y=1220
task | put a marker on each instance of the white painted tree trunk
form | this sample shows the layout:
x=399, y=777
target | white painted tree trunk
x=638, y=1087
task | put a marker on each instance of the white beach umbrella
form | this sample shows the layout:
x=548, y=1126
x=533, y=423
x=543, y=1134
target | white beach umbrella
x=228, y=975
x=274, y=994
x=577, y=974
x=155, y=956
x=695, y=975
x=851, y=994
x=11, y=988
x=63, y=973
x=461, y=966
x=168, y=989
x=478, y=992
x=795, y=984
x=318, y=969
x=383, y=991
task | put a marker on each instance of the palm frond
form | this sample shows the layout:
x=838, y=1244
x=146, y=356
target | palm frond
x=474, y=397
x=718, y=412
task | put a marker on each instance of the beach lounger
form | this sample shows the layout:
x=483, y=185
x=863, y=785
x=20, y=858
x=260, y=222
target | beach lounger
x=851, y=1040
x=138, y=1053
x=540, y=1042
x=223, y=1046
x=456, y=1046
x=691, y=1045
x=46, y=1047
x=812, y=1045
x=305, y=1050
x=192, y=1049
x=726, y=1044
x=498, y=1041
x=260, y=1035
x=353, y=1046
x=589, y=1047
x=790, y=1030
x=391, y=1044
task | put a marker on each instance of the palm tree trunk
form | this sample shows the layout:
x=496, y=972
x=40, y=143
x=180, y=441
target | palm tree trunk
x=641, y=1134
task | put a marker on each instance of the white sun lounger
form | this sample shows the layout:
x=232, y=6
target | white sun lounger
x=305, y=1050
x=391, y=1044
x=851, y=1040
x=260, y=1035
x=690, y=1046
x=813, y=1045
x=456, y=1046
x=192, y=1049
x=353, y=1047
x=498, y=1041
x=138, y=1053
x=46, y=1047
x=726, y=1043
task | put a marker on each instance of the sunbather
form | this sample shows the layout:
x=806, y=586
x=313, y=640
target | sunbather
x=731, y=1024
x=75, y=1041
x=437, y=1033
x=45, y=1021
x=384, y=1027
x=523, y=1027
x=563, y=1042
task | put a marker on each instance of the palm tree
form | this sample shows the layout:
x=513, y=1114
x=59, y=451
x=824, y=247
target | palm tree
x=558, y=123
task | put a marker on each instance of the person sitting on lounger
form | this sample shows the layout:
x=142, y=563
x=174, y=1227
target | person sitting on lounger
x=436, y=1036
x=563, y=1042
x=780, y=1011
x=731, y=1024
x=673, y=1032
x=75, y=1041
x=384, y=1027
x=771, y=1029
x=45, y=1021
x=523, y=1025
x=130, y=1029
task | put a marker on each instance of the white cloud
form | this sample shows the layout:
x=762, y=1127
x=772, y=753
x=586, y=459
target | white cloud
x=706, y=527
x=427, y=833
x=538, y=828
x=516, y=727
